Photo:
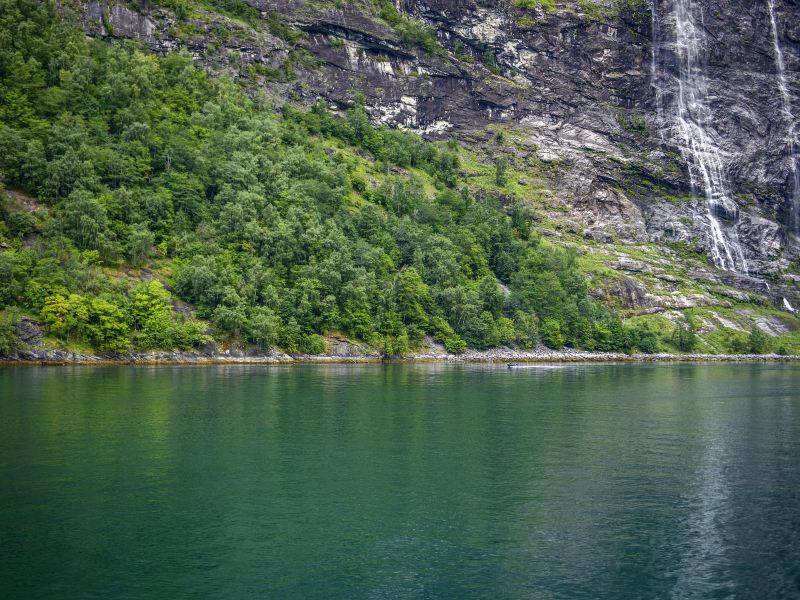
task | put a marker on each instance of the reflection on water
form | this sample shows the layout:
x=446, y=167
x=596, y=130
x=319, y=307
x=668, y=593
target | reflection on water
x=401, y=481
x=705, y=551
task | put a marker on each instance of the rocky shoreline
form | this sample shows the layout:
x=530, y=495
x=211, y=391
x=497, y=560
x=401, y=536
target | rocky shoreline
x=497, y=355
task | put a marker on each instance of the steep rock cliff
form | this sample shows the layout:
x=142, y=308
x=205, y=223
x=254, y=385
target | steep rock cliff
x=587, y=95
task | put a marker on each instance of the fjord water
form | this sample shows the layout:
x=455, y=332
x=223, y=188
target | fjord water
x=400, y=481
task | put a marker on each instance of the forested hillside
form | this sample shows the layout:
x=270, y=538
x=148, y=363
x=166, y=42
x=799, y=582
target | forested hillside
x=148, y=204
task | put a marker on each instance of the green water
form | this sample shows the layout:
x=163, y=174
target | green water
x=402, y=481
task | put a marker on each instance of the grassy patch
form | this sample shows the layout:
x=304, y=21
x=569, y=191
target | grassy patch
x=548, y=5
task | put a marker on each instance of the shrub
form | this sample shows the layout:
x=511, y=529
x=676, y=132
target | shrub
x=490, y=61
x=8, y=331
x=758, y=341
x=592, y=10
x=20, y=223
x=455, y=345
x=632, y=12
x=526, y=22
x=140, y=241
x=13, y=276
x=154, y=323
x=412, y=33
x=685, y=338
x=500, y=172
x=551, y=334
x=641, y=338
x=263, y=328
x=95, y=321
x=313, y=344
x=106, y=326
x=526, y=333
x=291, y=337
x=548, y=5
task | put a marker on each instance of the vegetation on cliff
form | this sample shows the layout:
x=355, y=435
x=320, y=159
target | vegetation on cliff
x=277, y=228
x=150, y=205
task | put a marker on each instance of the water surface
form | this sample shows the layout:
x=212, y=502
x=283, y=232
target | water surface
x=400, y=481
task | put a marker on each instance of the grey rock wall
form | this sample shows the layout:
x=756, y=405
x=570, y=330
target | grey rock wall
x=579, y=90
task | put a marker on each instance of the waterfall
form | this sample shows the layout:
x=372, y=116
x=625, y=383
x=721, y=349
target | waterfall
x=694, y=133
x=788, y=307
x=655, y=47
x=786, y=109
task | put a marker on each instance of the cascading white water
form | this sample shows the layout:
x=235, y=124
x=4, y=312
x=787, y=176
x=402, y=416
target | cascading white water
x=786, y=109
x=655, y=45
x=694, y=133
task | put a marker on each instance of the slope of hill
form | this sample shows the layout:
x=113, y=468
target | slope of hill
x=223, y=175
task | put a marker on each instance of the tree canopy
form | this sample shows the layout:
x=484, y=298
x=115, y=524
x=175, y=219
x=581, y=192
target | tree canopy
x=173, y=205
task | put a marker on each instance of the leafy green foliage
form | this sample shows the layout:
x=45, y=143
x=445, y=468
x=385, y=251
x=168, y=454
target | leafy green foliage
x=685, y=336
x=153, y=321
x=182, y=8
x=277, y=229
x=592, y=10
x=8, y=331
x=633, y=123
x=548, y=5
x=633, y=12
x=551, y=334
x=500, y=172
x=95, y=321
x=233, y=8
x=276, y=27
x=642, y=339
x=758, y=341
x=489, y=60
x=237, y=8
x=412, y=33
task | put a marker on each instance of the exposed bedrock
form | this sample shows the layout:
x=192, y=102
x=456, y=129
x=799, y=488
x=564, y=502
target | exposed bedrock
x=595, y=98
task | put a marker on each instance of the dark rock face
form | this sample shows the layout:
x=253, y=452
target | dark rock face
x=746, y=119
x=578, y=89
x=744, y=91
x=29, y=333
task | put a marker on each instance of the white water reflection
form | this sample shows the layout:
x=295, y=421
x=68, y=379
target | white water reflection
x=705, y=548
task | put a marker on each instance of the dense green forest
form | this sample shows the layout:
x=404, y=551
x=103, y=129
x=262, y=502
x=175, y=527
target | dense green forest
x=151, y=205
